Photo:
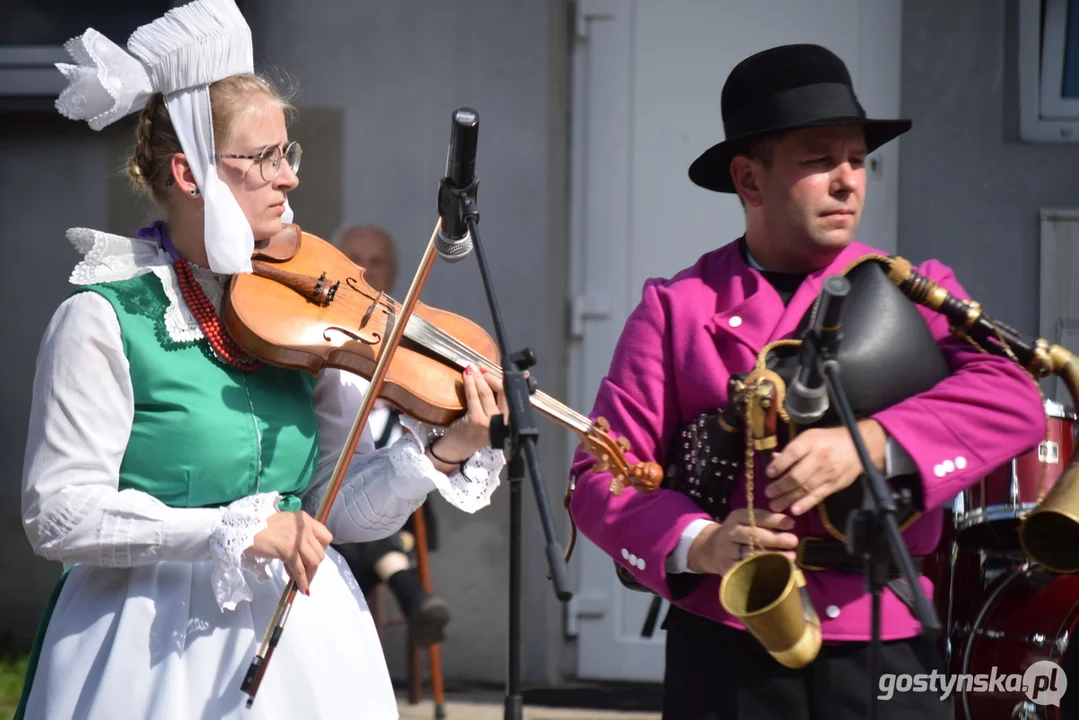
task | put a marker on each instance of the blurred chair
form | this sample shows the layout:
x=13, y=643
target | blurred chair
x=379, y=602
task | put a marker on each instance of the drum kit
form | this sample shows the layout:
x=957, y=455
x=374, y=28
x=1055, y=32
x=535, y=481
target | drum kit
x=1000, y=611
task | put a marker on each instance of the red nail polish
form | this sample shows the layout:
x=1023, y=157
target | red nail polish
x=468, y=370
x=483, y=370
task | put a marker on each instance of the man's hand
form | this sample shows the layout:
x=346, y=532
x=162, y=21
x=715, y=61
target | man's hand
x=818, y=463
x=716, y=550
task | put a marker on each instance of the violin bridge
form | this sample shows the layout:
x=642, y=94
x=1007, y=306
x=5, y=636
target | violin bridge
x=371, y=310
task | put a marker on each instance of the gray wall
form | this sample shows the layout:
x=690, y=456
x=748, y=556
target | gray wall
x=51, y=178
x=970, y=190
x=398, y=70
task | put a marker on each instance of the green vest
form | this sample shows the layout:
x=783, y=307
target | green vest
x=204, y=433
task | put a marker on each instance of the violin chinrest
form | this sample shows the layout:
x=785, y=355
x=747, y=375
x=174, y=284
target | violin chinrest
x=281, y=247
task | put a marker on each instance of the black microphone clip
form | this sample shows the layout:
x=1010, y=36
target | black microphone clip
x=807, y=396
x=458, y=187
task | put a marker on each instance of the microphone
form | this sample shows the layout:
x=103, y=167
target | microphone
x=807, y=396
x=454, y=241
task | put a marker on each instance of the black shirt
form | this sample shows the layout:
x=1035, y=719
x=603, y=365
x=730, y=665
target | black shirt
x=786, y=284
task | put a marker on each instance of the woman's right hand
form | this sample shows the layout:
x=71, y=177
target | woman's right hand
x=298, y=540
x=719, y=547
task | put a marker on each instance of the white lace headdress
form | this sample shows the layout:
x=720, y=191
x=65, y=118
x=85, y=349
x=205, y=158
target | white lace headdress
x=179, y=55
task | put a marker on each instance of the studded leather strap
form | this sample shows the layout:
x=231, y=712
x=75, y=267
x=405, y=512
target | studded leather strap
x=704, y=463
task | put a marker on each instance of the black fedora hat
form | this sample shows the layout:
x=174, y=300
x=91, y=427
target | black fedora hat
x=785, y=88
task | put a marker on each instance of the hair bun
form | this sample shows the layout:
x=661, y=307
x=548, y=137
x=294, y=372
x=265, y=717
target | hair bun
x=135, y=172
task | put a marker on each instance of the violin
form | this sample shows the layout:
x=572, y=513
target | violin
x=307, y=306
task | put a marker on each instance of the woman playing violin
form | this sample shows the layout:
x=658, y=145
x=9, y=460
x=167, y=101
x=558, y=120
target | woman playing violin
x=174, y=476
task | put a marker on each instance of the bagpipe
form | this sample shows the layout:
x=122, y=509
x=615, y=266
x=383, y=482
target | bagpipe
x=888, y=354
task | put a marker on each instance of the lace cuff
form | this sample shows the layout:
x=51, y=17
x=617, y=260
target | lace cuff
x=233, y=533
x=469, y=489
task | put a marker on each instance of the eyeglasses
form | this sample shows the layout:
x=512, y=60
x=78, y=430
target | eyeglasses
x=269, y=160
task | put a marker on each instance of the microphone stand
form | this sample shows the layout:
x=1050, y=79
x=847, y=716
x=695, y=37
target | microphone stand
x=518, y=440
x=873, y=532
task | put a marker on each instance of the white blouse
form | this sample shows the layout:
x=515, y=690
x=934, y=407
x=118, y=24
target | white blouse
x=81, y=416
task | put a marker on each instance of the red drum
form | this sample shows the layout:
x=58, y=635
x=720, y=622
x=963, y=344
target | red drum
x=993, y=507
x=1029, y=615
x=957, y=577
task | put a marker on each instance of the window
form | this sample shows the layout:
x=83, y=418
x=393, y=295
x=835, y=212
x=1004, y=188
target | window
x=33, y=33
x=1049, y=70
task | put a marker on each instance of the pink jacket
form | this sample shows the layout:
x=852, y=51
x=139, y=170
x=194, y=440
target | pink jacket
x=672, y=363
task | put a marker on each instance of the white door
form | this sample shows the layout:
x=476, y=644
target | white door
x=647, y=77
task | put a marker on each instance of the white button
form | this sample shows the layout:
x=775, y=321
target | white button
x=633, y=560
x=640, y=563
x=939, y=471
x=735, y=321
x=949, y=466
x=625, y=553
x=831, y=611
x=960, y=462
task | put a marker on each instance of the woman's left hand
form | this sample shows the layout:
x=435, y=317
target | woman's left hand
x=484, y=399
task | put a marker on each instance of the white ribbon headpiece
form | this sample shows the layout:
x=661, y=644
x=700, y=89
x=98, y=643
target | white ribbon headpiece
x=179, y=55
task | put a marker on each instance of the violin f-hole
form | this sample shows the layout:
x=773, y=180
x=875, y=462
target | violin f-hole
x=371, y=339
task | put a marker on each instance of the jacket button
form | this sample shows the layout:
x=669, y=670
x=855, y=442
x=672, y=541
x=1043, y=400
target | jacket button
x=735, y=321
x=960, y=462
x=832, y=611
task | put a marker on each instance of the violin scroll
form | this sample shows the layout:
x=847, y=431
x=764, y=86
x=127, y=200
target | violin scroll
x=646, y=476
x=611, y=457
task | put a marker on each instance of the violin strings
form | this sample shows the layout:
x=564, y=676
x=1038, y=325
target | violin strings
x=450, y=348
x=542, y=400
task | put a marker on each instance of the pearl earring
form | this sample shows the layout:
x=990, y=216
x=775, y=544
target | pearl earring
x=194, y=192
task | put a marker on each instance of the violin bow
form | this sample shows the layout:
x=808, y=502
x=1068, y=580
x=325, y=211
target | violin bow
x=257, y=670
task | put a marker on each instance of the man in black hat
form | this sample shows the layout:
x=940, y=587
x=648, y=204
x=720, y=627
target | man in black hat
x=795, y=152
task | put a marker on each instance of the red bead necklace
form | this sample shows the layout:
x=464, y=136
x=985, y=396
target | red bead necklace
x=203, y=310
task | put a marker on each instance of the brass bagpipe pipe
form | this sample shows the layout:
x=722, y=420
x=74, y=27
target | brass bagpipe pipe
x=766, y=591
x=1049, y=534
